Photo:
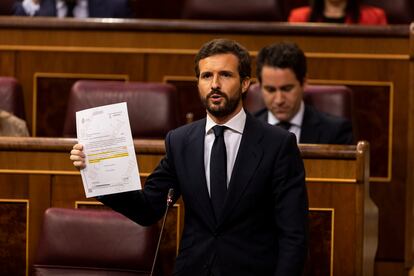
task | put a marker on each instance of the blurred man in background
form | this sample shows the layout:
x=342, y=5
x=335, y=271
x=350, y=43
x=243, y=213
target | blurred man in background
x=74, y=8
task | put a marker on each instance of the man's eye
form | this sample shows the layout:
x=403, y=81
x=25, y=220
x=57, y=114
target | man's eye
x=226, y=74
x=269, y=89
x=205, y=76
x=286, y=88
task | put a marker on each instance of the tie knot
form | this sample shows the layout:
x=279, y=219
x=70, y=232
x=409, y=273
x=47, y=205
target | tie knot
x=218, y=130
x=284, y=124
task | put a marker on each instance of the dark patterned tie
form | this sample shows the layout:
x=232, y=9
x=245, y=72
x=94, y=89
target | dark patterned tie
x=70, y=5
x=284, y=124
x=218, y=171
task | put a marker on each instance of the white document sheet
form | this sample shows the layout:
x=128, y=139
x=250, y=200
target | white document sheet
x=111, y=164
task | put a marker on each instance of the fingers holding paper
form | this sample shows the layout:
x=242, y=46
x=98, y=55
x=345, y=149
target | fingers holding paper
x=78, y=156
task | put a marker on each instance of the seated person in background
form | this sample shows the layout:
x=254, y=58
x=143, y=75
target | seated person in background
x=339, y=11
x=281, y=70
x=74, y=8
x=11, y=125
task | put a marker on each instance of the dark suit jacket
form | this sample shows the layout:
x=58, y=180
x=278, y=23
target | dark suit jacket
x=320, y=128
x=263, y=227
x=97, y=8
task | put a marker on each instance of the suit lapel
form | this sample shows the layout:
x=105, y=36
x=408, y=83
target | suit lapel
x=47, y=8
x=248, y=158
x=99, y=8
x=309, y=131
x=195, y=153
x=94, y=8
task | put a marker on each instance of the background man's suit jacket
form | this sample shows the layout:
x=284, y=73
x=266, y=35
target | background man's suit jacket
x=97, y=8
x=320, y=128
x=263, y=227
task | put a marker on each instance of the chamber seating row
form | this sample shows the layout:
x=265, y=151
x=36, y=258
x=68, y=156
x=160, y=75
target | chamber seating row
x=156, y=108
x=11, y=96
x=398, y=11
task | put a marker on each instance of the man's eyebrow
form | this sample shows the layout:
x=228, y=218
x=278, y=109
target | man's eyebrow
x=227, y=71
x=272, y=87
x=287, y=85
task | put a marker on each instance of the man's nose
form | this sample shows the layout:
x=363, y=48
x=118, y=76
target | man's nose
x=215, y=84
x=278, y=97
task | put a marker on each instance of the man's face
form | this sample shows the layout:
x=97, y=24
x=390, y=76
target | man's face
x=220, y=86
x=282, y=92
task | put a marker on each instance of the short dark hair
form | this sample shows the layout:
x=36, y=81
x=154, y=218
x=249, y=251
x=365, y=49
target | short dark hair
x=284, y=55
x=225, y=46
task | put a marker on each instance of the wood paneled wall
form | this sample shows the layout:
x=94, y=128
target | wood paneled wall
x=47, y=55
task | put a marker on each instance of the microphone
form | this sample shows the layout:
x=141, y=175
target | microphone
x=169, y=201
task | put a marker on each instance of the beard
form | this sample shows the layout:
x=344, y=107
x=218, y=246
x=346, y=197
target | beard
x=226, y=107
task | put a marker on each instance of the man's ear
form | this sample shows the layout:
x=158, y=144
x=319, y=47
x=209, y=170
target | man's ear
x=245, y=84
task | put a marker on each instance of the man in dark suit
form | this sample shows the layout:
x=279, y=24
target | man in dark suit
x=246, y=215
x=74, y=8
x=281, y=70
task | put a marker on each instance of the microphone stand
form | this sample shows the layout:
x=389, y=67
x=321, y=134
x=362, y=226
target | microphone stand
x=169, y=201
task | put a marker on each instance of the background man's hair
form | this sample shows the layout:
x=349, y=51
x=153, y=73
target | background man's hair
x=284, y=55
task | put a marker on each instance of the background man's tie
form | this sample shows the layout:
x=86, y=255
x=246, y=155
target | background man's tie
x=284, y=124
x=70, y=5
x=218, y=171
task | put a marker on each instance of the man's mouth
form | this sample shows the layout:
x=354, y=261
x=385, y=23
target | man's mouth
x=216, y=96
x=280, y=109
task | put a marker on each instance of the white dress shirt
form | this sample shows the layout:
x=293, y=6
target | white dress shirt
x=80, y=10
x=296, y=122
x=30, y=7
x=232, y=137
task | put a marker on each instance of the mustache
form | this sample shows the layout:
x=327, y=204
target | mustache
x=216, y=91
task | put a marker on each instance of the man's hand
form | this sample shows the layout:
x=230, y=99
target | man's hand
x=78, y=156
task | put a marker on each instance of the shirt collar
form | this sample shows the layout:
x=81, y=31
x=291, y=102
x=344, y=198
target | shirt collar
x=296, y=120
x=236, y=123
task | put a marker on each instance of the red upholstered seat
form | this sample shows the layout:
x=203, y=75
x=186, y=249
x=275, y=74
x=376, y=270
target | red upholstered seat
x=93, y=242
x=254, y=100
x=256, y=10
x=331, y=99
x=152, y=107
x=11, y=96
